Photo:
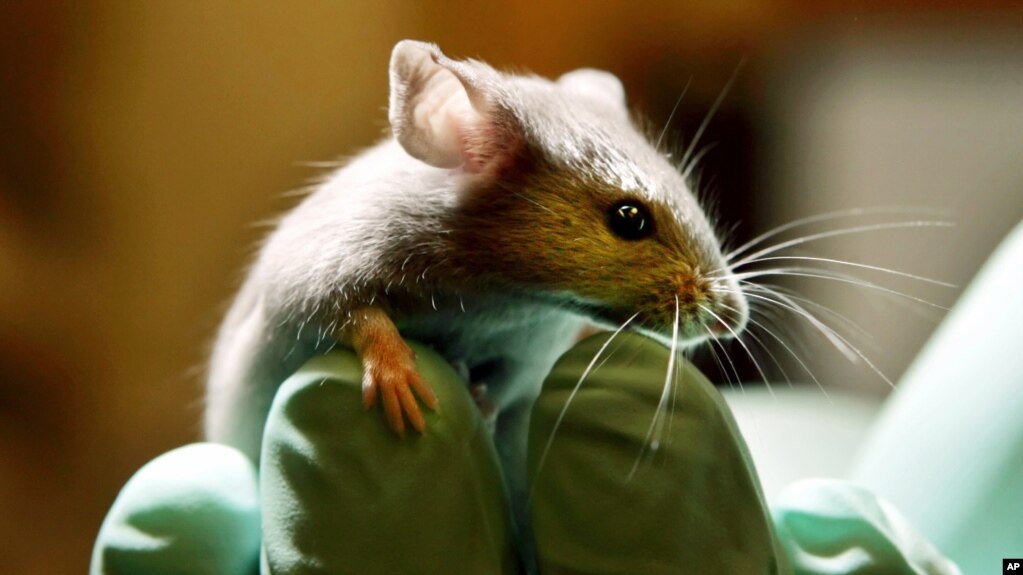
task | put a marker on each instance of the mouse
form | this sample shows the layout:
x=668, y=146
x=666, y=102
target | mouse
x=500, y=215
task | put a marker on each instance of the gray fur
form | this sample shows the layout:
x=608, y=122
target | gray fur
x=379, y=230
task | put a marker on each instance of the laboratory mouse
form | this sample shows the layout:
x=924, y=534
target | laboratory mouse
x=502, y=213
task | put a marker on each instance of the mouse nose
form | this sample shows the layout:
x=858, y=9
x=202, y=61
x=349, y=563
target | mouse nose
x=731, y=312
x=725, y=324
x=719, y=329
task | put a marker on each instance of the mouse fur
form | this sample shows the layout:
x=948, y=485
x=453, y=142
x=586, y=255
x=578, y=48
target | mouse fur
x=479, y=227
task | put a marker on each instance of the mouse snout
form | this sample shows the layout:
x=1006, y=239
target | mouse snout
x=716, y=305
x=728, y=310
x=729, y=316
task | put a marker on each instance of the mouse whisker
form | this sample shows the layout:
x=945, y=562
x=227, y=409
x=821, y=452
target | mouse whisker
x=674, y=393
x=801, y=312
x=711, y=112
x=756, y=364
x=835, y=233
x=571, y=396
x=679, y=353
x=665, y=408
x=834, y=337
x=830, y=216
x=764, y=347
x=688, y=170
x=717, y=359
x=671, y=116
x=791, y=352
x=664, y=397
x=857, y=265
x=819, y=273
x=728, y=358
x=844, y=320
x=616, y=348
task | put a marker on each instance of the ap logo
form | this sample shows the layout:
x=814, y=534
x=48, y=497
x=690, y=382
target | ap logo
x=1014, y=566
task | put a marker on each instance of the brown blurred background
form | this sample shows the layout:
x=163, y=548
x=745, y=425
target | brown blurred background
x=140, y=142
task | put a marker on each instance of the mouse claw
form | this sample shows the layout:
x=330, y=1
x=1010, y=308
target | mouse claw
x=392, y=410
x=393, y=379
x=424, y=391
x=412, y=412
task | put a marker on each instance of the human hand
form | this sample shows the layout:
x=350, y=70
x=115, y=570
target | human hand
x=338, y=493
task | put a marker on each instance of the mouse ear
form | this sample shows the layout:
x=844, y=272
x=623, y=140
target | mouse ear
x=597, y=85
x=441, y=110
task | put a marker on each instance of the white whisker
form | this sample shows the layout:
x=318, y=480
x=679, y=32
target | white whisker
x=756, y=364
x=763, y=346
x=836, y=339
x=850, y=324
x=615, y=350
x=857, y=265
x=671, y=116
x=710, y=114
x=721, y=366
x=827, y=216
x=728, y=358
x=816, y=323
x=840, y=232
x=696, y=161
x=571, y=396
x=664, y=395
x=794, y=356
x=674, y=396
x=833, y=276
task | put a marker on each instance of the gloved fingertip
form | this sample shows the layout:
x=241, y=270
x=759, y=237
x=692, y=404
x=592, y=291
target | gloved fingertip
x=192, y=510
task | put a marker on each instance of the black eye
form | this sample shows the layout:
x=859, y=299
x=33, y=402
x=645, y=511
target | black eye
x=630, y=220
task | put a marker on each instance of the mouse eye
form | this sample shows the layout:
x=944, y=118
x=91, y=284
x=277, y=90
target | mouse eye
x=630, y=220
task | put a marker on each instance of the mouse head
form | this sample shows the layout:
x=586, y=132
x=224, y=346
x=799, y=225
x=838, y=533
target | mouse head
x=561, y=197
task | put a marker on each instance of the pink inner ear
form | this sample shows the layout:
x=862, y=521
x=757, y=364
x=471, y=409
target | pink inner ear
x=461, y=135
x=450, y=129
x=487, y=146
x=444, y=116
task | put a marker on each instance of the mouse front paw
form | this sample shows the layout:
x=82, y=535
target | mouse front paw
x=390, y=373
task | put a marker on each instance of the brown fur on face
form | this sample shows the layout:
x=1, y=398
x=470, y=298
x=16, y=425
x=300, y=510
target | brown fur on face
x=546, y=231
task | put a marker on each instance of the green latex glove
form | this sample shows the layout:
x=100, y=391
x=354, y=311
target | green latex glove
x=338, y=493
x=342, y=494
x=693, y=505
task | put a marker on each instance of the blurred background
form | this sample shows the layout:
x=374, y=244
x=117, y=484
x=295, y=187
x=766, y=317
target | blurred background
x=141, y=141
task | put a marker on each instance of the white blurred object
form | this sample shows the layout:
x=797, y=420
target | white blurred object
x=829, y=526
x=799, y=433
x=900, y=112
x=948, y=447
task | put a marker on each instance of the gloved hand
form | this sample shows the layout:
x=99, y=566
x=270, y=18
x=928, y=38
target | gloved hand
x=624, y=487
